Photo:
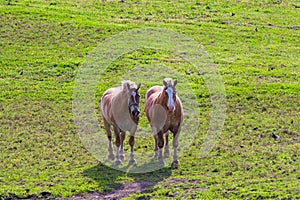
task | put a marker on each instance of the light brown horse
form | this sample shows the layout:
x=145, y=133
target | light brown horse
x=165, y=113
x=119, y=107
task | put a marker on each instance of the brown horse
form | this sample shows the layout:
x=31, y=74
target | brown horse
x=164, y=112
x=119, y=107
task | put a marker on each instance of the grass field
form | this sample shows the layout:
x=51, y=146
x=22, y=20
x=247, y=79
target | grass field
x=254, y=44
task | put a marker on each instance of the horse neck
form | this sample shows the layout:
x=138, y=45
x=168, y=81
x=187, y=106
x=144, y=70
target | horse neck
x=122, y=100
x=124, y=106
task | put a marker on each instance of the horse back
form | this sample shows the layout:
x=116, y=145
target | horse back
x=152, y=90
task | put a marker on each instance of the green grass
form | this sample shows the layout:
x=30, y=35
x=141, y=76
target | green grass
x=44, y=43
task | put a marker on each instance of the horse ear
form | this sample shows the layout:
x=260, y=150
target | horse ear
x=138, y=87
x=165, y=83
x=175, y=83
x=128, y=86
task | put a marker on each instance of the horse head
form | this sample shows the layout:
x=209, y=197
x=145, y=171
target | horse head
x=134, y=100
x=170, y=93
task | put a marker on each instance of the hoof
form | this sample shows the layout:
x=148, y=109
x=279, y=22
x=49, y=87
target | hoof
x=175, y=164
x=122, y=157
x=118, y=162
x=111, y=157
x=132, y=162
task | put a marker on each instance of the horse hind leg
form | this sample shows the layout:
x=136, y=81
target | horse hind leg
x=111, y=155
x=167, y=147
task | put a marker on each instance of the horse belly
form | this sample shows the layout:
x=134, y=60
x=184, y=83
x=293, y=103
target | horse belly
x=126, y=125
x=173, y=121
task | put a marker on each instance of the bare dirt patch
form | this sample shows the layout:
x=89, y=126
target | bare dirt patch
x=120, y=191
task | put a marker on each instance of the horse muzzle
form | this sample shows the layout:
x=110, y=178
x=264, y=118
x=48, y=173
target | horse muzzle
x=171, y=108
x=135, y=112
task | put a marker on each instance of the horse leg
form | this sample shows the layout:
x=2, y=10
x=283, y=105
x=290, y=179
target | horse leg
x=160, y=144
x=122, y=156
x=131, y=143
x=155, y=156
x=111, y=155
x=167, y=148
x=118, y=144
x=175, y=162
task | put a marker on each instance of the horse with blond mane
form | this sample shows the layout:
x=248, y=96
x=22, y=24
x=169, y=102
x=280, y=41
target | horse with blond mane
x=165, y=113
x=120, y=109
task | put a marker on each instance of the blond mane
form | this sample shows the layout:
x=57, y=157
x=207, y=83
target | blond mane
x=132, y=85
x=169, y=82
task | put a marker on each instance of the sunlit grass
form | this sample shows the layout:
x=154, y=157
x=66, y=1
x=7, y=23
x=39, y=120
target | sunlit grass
x=254, y=45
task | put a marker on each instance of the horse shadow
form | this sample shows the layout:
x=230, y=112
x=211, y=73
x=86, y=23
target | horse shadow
x=109, y=177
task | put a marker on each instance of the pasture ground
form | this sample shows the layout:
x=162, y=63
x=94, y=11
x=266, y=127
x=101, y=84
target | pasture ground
x=255, y=45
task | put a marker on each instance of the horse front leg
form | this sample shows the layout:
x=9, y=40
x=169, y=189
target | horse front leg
x=131, y=143
x=122, y=137
x=167, y=147
x=118, y=144
x=155, y=156
x=160, y=144
x=175, y=162
x=111, y=155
